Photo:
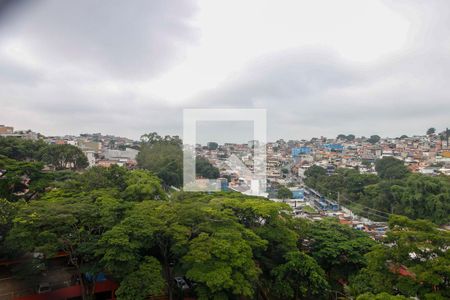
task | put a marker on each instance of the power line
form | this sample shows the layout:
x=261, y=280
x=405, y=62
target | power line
x=378, y=211
x=377, y=214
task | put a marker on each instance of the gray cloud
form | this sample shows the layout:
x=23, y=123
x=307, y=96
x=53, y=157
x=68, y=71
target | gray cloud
x=316, y=93
x=83, y=46
x=127, y=40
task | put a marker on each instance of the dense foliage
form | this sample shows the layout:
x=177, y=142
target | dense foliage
x=413, y=261
x=164, y=157
x=393, y=191
x=227, y=245
x=58, y=156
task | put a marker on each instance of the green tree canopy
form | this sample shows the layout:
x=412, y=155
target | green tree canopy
x=339, y=249
x=299, y=277
x=64, y=157
x=374, y=139
x=390, y=168
x=144, y=282
x=205, y=169
x=284, y=193
x=162, y=156
x=413, y=261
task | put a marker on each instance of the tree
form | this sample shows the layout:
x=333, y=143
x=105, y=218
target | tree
x=395, y=190
x=8, y=212
x=64, y=157
x=431, y=131
x=374, y=139
x=151, y=227
x=350, y=137
x=284, y=193
x=299, y=277
x=142, y=185
x=341, y=137
x=422, y=197
x=337, y=248
x=222, y=264
x=22, y=179
x=315, y=171
x=390, y=168
x=144, y=282
x=164, y=157
x=21, y=149
x=413, y=262
x=212, y=146
x=96, y=177
x=48, y=226
x=381, y=296
x=205, y=169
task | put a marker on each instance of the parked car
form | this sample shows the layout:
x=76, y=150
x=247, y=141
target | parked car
x=181, y=283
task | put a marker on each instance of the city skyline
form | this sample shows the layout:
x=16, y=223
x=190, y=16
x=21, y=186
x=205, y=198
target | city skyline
x=206, y=133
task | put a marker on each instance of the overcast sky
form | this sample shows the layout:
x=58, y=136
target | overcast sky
x=320, y=68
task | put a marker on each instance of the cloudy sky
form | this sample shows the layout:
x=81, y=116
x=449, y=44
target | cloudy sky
x=320, y=68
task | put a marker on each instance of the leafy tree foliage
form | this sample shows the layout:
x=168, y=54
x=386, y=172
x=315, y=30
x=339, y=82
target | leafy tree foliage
x=71, y=224
x=222, y=263
x=343, y=137
x=374, y=139
x=8, y=212
x=414, y=195
x=431, y=131
x=315, y=171
x=75, y=216
x=284, y=193
x=21, y=149
x=381, y=296
x=413, y=261
x=350, y=137
x=22, y=179
x=390, y=168
x=164, y=157
x=64, y=157
x=213, y=146
x=229, y=245
x=300, y=277
x=147, y=280
x=337, y=248
x=205, y=169
x=141, y=185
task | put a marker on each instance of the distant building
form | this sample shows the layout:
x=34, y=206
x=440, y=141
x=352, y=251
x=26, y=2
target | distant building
x=90, y=146
x=333, y=147
x=6, y=129
x=121, y=155
x=301, y=151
